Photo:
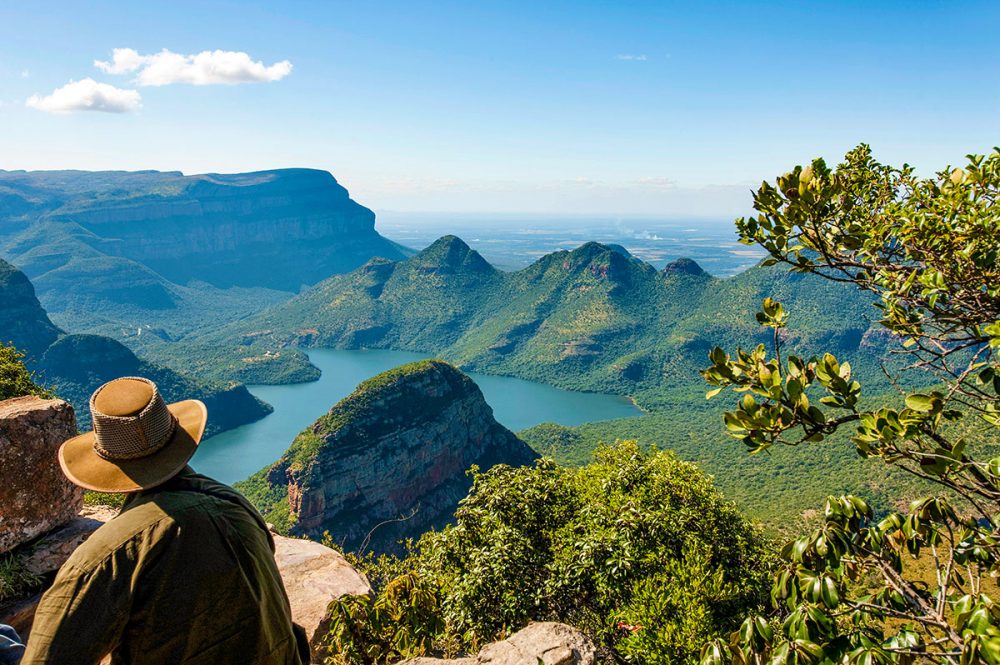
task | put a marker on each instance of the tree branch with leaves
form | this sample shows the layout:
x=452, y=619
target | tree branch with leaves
x=855, y=590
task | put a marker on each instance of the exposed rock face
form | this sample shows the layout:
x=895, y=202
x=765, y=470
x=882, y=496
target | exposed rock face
x=539, y=643
x=315, y=575
x=398, y=447
x=34, y=495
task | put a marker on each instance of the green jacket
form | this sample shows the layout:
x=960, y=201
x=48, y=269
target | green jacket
x=184, y=574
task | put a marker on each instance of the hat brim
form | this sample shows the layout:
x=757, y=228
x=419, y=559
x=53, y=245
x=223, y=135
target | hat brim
x=84, y=467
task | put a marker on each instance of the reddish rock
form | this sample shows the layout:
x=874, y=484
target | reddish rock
x=35, y=497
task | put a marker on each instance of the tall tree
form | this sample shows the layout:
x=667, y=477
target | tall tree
x=914, y=584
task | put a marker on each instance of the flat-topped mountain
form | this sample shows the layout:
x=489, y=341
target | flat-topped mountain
x=135, y=246
x=594, y=318
x=397, y=448
x=75, y=365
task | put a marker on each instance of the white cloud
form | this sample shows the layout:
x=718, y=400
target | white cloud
x=640, y=57
x=205, y=68
x=87, y=95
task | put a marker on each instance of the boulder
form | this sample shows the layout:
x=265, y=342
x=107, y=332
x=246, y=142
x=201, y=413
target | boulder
x=545, y=643
x=314, y=575
x=35, y=497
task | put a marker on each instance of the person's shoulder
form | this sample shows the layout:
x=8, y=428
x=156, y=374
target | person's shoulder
x=140, y=522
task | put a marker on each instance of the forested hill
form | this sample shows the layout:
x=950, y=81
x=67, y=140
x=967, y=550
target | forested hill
x=73, y=366
x=167, y=251
x=594, y=318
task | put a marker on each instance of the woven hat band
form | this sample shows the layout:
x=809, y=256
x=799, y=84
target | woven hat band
x=132, y=436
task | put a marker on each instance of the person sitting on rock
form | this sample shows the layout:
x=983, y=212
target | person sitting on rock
x=184, y=574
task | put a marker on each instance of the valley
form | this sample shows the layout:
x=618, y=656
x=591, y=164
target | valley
x=517, y=404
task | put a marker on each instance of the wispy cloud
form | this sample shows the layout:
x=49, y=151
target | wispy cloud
x=636, y=57
x=25, y=73
x=656, y=182
x=205, y=68
x=87, y=95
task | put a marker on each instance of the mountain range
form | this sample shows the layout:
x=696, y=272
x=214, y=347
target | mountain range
x=594, y=318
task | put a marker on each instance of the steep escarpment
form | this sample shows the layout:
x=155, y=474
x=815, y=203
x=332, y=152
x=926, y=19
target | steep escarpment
x=23, y=322
x=278, y=229
x=116, y=251
x=391, y=455
x=73, y=366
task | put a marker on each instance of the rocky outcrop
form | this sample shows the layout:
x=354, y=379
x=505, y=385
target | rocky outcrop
x=34, y=495
x=314, y=575
x=538, y=644
x=389, y=461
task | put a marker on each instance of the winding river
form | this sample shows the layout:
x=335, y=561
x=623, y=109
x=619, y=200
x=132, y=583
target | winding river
x=517, y=404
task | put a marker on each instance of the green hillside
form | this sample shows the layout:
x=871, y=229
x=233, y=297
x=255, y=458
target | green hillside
x=72, y=366
x=592, y=319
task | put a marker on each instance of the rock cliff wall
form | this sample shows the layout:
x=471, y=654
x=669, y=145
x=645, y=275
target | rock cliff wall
x=34, y=495
x=393, y=455
x=278, y=229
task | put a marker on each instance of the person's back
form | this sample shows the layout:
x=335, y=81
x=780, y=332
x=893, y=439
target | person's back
x=185, y=574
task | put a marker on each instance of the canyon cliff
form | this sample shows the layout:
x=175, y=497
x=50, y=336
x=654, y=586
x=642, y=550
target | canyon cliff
x=389, y=461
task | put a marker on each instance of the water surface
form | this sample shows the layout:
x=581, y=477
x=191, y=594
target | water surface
x=517, y=404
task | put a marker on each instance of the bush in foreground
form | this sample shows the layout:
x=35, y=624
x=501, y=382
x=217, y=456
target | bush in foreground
x=637, y=549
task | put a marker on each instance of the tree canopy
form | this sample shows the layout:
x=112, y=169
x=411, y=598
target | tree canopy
x=918, y=582
x=15, y=379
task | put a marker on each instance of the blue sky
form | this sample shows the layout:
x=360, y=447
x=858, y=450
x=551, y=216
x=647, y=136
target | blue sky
x=629, y=108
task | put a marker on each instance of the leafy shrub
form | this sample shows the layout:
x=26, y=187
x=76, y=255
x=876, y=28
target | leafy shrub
x=15, y=379
x=596, y=547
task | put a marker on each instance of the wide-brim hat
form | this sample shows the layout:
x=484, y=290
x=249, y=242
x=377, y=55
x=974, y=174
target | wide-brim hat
x=138, y=441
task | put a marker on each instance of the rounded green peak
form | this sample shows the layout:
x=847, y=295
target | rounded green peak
x=452, y=252
x=684, y=267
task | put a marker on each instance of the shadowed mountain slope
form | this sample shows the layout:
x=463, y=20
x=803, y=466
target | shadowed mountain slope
x=73, y=366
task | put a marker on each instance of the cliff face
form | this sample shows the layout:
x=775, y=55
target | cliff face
x=398, y=447
x=277, y=229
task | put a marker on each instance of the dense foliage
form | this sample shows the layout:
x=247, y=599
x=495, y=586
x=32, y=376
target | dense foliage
x=637, y=549
x=15, y=379
x=783, y=489
x=918, y=582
